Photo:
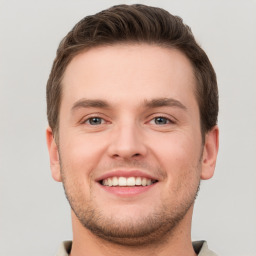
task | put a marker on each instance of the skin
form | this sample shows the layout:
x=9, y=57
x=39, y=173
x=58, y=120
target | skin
x=127, y=88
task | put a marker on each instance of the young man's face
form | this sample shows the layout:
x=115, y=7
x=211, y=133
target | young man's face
x=129, y=115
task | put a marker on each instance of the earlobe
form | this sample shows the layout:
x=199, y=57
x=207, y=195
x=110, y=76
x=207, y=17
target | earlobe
x=211, y=148
x=53, y=154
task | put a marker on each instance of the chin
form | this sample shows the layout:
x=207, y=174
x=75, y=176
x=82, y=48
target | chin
x=133, y=228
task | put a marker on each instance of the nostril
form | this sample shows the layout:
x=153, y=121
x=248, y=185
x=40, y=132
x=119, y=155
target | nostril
x=134, y=155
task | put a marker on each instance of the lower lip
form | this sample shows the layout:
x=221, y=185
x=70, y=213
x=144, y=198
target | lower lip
x=127, y=191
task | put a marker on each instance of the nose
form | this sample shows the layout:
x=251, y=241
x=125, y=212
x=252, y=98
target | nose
x=127, y=142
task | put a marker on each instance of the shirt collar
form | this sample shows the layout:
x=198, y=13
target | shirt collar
x=200, y=247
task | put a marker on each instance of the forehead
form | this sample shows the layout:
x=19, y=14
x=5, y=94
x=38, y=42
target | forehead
x=135, y=71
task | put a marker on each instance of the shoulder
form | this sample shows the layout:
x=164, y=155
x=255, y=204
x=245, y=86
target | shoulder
x=201, y=249
x=64, y=248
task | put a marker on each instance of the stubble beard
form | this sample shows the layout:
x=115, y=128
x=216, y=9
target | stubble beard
x=152, y=229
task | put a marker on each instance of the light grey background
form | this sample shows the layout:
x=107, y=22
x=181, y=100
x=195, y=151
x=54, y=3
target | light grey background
x=34, y=214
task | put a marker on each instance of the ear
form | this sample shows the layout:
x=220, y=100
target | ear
x=53, y=154
x=210, y=152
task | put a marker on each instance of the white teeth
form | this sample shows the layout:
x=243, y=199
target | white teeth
x=110, y=182
x=144, y=182
x=122, y=181
x=138, y=181
x=115, y=181
x=149, y=182
x=129, y=181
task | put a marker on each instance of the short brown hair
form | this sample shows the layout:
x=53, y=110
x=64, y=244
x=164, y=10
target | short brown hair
x=135, y=24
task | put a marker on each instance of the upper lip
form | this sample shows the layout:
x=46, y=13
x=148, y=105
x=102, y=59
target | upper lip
x=126, y=173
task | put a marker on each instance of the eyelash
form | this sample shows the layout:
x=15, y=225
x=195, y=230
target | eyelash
x=88, y=121
x=168, y=120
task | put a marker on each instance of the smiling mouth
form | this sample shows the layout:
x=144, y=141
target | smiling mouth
x=127, y=181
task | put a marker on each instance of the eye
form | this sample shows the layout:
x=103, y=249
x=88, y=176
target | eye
x=94, y=121
x=160, y=120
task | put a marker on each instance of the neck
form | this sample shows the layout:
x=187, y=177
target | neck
x=176, y=242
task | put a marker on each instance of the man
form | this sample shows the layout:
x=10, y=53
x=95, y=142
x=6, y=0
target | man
x=132, y=105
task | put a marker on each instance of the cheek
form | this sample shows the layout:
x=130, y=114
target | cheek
x=179, y=157
x=177, y=149
x=81, y=153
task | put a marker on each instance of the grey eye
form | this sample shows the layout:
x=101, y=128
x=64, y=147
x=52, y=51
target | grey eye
x=161, y=120
x=95, y=121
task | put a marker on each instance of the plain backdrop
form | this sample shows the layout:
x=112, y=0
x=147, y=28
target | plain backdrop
x=34, y=214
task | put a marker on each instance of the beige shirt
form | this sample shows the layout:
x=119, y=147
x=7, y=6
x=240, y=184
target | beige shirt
x=200, y=248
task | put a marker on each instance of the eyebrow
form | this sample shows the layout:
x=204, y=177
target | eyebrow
x=154, y=103
x=164, y=102
x=86, y=103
